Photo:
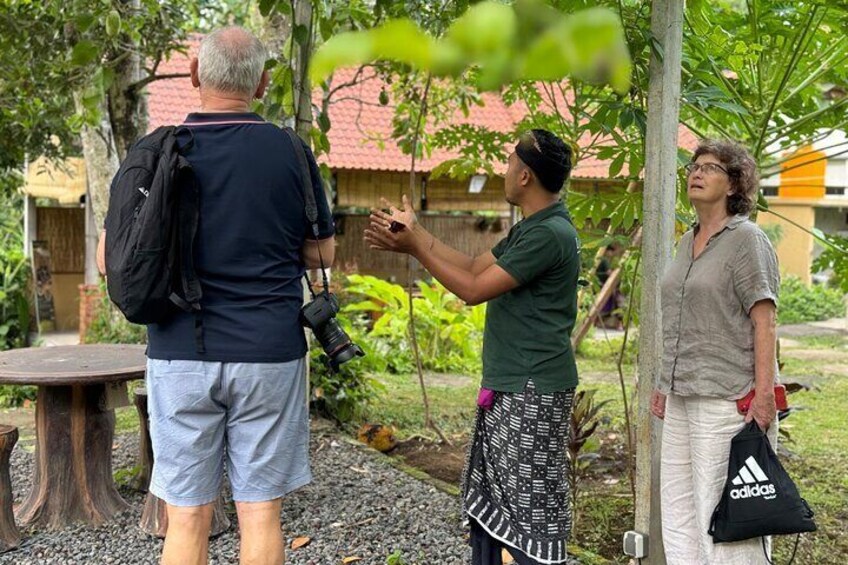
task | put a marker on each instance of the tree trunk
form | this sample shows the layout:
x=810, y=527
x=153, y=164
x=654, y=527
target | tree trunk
x=303, y=88
x=73, y=459
x=657, y=242
x=10, y=537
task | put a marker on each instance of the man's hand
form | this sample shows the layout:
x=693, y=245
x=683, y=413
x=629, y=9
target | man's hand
x=658, y=404
x=393, y=231
x=762, y=410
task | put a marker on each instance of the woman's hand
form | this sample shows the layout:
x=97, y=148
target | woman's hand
x=762, y=410
x=393, y=231
x=658, y=404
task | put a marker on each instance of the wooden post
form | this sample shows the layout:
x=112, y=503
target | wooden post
x=145, y=449
x=10, y=537
x=657, y=243
x=73, y=460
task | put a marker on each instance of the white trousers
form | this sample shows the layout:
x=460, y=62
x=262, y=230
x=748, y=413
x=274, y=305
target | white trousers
x=695, y=453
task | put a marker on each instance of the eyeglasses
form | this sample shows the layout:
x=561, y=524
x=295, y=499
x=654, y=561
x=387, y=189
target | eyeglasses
x=708, y=168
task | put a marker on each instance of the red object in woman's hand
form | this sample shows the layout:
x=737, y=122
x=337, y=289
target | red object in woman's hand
x=396, y=226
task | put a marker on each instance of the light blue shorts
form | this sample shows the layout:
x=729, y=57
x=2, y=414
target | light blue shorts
x=253, y=414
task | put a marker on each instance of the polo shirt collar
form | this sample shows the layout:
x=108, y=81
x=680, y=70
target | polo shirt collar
x=207, y=117
x=554, y=209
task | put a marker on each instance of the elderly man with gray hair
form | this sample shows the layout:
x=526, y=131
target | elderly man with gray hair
x=241, y=402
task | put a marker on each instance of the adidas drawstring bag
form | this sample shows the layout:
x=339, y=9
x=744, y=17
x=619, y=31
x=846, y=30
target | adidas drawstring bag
x=759, y=498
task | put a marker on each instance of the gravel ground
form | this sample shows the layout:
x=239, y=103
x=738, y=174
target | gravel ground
x=357, y=506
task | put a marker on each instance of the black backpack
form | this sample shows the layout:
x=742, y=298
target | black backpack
x=150, y=230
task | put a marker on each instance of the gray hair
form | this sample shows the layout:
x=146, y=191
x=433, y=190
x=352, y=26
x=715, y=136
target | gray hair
x=231, y=59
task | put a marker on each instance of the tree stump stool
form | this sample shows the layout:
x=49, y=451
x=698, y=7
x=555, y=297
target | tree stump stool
x=10, y=537
x=154, y=517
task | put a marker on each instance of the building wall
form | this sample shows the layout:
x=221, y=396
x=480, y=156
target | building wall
x=363, y=189
x=795, y=249
x=64, y=231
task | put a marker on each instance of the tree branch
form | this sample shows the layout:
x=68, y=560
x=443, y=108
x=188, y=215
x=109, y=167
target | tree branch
x=138, y=85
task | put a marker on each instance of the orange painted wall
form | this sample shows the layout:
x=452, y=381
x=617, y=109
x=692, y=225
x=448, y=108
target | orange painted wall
x=799, y=178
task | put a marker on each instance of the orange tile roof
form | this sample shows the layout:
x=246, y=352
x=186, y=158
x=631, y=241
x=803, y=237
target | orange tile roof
x=360, y=136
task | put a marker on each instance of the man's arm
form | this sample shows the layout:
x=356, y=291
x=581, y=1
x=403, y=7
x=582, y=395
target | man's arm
x=101, y=253
x=473, y=288
x=441, y=250
x=475, y=265
x=310, y=250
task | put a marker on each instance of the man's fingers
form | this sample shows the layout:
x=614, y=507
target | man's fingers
x=380, y=217
x=405, y=203
x=392, y=208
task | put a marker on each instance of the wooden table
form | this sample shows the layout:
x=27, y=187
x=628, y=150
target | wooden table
x=74, y=428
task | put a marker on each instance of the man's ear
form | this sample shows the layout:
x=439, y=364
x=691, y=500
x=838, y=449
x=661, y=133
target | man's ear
x=263, y=84
x=526, y=177
x=195, y=77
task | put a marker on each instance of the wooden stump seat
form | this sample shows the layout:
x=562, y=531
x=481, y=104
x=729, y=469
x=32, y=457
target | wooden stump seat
x=154, y=516
x=10, y=537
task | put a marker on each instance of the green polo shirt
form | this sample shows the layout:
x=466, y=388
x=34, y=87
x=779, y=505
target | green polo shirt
x=528, y=329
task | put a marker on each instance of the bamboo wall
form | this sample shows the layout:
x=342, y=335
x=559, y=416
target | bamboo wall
x=64, y=231
x=470, y=234
x=363, y=189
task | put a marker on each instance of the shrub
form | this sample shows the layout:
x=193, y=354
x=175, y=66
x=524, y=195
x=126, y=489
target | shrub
x=342, y=396
x=109, y=325
x=14, y=269
x=449, y=333
x=16, y=395
x=800, y=303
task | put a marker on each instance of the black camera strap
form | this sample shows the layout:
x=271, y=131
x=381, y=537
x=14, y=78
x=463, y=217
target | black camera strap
x=309, y=202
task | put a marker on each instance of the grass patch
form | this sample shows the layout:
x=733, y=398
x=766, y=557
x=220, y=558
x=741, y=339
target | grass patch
x=834, y=342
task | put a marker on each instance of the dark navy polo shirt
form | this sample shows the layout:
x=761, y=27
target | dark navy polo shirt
x=248, y=249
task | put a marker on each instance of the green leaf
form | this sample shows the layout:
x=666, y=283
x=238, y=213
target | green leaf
x=267, y=6
x=84, y=52
x=301, y=34
x=83, y=22
x=617, y=164
x=113, y=23
x=324, y=122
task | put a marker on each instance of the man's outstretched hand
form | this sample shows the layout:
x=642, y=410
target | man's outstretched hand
x=392, y=230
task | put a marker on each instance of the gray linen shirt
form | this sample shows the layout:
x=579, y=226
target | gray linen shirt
x=708, y=336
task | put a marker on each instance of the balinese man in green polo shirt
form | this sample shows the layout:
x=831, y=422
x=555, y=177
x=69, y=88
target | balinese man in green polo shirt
x=515, y=490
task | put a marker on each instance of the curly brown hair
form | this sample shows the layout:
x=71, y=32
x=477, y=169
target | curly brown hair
x=741, y=168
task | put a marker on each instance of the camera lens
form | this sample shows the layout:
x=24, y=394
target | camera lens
x=337, y=344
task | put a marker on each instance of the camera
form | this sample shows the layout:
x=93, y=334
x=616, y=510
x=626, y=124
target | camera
x=320, y=317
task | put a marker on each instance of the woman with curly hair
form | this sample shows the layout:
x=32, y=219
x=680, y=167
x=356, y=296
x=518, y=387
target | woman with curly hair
x=719, y=299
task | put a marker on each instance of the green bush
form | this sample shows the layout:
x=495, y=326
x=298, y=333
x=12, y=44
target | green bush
x=800, y=303
x=449, y=333
x=376, y=317
x=12, y=396
x=109, y=326
x=14, y=269
x=342, y=396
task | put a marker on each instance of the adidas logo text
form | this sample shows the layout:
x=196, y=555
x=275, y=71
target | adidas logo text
x=750, y=474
